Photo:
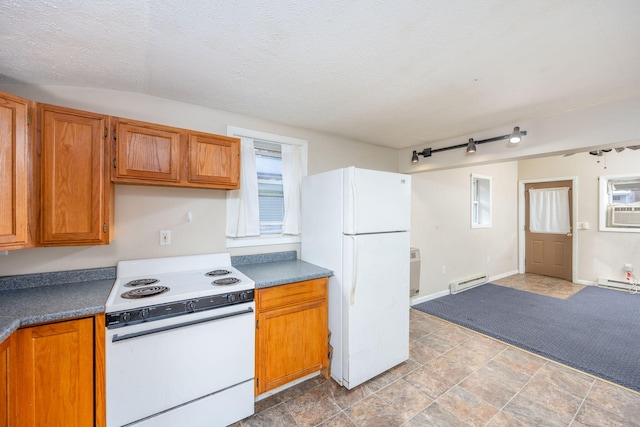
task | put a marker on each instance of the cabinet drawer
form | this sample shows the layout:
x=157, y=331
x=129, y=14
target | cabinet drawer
x=294, y=293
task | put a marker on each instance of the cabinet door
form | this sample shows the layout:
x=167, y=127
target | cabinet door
x=13, y=172
x=76, y=194
x=54, y=383
x=147, y=153
x=5, y=405
x=214, y=160
x=291, y=339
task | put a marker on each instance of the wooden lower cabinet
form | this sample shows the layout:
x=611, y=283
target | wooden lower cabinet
x=55, y=375
x=5, y=357
x=291, y=332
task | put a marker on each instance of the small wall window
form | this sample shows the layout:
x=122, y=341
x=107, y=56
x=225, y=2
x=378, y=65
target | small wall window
x=619, y=203
x=480, y=201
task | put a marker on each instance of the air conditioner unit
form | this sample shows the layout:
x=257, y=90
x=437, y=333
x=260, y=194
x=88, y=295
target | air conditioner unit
x=625, y=216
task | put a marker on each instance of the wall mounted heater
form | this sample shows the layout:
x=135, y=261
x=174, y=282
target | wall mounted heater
x=616, y=284
x=468, y=283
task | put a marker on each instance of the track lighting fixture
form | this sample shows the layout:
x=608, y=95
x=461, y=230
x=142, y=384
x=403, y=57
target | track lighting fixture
x=516, y=135
x=471, y=146
x=514, y=138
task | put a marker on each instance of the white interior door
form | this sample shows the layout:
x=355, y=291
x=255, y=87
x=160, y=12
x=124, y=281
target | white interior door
x=375, y=305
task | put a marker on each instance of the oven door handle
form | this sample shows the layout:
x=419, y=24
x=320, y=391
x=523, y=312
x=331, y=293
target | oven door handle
x=117, y=338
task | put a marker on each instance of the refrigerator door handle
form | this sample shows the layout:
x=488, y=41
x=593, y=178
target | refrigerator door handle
x=354, y=278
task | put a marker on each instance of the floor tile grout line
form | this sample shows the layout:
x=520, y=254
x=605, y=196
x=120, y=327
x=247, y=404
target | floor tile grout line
x=584, y=399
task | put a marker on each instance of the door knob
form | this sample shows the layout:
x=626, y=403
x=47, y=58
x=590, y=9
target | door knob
x=569, y=234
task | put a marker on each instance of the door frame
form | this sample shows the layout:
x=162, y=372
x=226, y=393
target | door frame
x=521, y=215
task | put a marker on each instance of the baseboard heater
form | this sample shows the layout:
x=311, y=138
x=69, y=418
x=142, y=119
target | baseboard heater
x=616, y=284
x=468, y=283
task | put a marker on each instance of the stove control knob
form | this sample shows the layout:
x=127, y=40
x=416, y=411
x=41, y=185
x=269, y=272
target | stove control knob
x=243, y=296
x=144, y=313
x=231, y=297
x=125, y=317
x=191, y=306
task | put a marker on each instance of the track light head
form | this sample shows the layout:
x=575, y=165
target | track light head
x=414, y=158
x=516, y=136
x=471, y=146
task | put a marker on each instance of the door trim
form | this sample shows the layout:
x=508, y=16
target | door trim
x=521, y=214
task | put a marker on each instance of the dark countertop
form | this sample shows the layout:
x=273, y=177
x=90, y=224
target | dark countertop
x=275, y=273
x=63, y=296
x=279, y=268
x=47, y=297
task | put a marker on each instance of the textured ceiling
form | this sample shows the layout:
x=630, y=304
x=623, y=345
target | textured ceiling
x=392, y=73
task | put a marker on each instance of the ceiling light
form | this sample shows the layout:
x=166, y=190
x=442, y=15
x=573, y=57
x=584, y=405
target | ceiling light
x=471, y=146
x=424, y=153
x=514, y=138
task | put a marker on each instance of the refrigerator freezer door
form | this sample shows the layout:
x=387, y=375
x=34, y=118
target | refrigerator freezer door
x=375, y=201
x=375, y=303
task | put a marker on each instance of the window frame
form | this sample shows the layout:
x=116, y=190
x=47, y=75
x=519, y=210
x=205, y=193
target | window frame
x=603, y=202
x=259, y=136
x=484, y=220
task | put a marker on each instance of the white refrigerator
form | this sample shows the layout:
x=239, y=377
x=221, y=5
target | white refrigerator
x=356, y=222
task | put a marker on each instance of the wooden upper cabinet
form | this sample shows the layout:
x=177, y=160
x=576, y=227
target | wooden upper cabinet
x=146, y=152
x=151, y=154
x=214, y=160
x=76, y=198
x=14, y=172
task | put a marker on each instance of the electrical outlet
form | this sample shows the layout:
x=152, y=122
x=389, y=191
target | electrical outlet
x=444, y=269
x=628, y=267
x=165, y=237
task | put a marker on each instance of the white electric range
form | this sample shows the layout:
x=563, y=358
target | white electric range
x=180, y=342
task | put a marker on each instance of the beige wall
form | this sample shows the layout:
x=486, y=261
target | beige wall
x=441, y=226
x=600, y=253
x=140, y=212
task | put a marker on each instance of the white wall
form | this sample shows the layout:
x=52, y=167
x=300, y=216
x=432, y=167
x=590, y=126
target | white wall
x=141, y=211
x=600, y=253
x=441, y=226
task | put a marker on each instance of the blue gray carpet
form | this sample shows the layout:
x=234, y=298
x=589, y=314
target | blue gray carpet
x=596, y=331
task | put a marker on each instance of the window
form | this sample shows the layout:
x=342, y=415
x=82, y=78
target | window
x=620, y=203
x=270, y=191
x=266, y=208
x=480, y=201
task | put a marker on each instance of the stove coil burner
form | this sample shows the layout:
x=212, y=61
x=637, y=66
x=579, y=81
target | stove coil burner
x=218, y=273
x=226, y=281
x=145, y=292
x=141, y=282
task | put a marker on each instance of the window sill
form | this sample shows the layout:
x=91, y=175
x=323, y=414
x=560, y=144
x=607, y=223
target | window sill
x=261, y=241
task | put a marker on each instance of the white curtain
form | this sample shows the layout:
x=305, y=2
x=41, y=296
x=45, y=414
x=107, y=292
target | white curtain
x=243, y=215
x=549, y=211
x=292, y=172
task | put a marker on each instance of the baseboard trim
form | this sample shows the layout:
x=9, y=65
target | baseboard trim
x=503, y=275
x=418, y=300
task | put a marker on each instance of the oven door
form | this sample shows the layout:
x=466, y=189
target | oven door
x=168, y=366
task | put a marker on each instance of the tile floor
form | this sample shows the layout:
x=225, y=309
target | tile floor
x=457, y=377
